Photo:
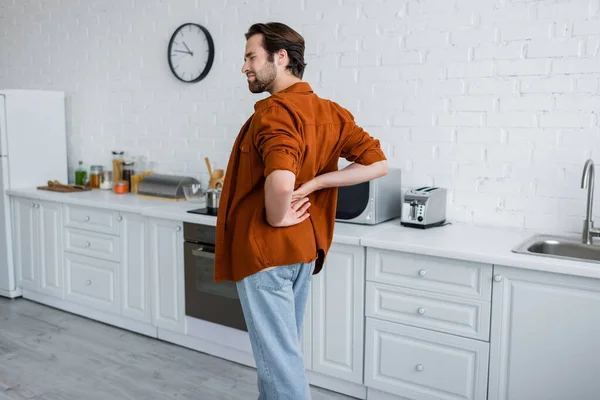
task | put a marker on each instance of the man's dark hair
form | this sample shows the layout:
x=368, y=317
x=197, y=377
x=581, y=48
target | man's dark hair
x=277, y=36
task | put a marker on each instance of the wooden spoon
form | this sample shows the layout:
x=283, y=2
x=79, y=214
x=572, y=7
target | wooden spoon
x=208, y=166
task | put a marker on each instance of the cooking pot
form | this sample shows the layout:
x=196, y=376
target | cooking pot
x=213, y=196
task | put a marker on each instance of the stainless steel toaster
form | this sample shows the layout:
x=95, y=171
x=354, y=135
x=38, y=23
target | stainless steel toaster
x=424, y=207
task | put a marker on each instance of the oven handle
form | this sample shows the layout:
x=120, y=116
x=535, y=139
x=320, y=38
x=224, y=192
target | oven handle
x=204, y=252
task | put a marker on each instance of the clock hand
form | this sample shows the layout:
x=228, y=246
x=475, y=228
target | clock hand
x=181, y=51
x=188, y=49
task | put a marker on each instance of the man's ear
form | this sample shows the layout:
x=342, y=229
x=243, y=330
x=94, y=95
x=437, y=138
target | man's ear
x=282, y=57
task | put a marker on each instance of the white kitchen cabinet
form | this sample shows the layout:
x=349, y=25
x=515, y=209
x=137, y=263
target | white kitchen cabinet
x=435, y=311
x=91, y=218
x=439, y=275
x=166, y=259
x=38, y=246
x=24, y=222
x=338, y=314
x=421, y=364
x=51, y=251
x=135, y=269
x=545, y=336
x=92, y=244
x=92, y=282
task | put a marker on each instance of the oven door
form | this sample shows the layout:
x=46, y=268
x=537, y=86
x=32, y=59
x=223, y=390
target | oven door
x=353, y=202
x=205, y=299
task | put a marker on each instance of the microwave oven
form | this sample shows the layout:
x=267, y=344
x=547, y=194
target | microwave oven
x=371, y=202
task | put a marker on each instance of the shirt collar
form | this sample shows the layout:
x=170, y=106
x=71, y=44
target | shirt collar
x=298, y=87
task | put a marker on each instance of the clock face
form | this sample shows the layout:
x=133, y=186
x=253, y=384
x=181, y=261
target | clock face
x=191, y=52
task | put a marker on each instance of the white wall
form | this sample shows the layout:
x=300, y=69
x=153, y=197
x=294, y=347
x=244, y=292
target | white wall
x=496, y=100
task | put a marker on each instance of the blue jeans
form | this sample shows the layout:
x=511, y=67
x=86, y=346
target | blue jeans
x=273, y=302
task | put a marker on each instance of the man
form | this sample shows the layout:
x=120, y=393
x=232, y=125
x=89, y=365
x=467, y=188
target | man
x=277, y=208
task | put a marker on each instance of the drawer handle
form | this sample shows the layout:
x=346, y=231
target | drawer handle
x=178, y=228
x=498, y=278
x=419, y=367
x=421, y=310
x=32, y=205
x=422, y=272
x=87, y=244
x=120, y=218
x=88, y=282
x=87, y=218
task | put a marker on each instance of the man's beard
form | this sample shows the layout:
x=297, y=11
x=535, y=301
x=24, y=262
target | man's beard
x=263, y=79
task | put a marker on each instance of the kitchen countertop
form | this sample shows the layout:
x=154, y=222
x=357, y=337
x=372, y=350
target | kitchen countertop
x=479, y=244
x=458, y=241
x=344, y=233
x=92, y=198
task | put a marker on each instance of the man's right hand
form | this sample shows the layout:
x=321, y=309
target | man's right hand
x=296, y=214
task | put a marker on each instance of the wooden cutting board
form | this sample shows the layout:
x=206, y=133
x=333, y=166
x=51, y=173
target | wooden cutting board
x=55, y=186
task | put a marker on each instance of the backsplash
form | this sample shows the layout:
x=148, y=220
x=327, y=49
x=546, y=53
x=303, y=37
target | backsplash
x=497, y=101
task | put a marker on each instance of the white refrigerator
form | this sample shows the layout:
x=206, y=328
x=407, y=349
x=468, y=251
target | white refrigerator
x=33, y=150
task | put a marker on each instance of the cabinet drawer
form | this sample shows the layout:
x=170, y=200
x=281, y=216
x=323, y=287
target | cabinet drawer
x=92, y=244
x=463, y=317
x=92, y=282
x=421, y=364
x=92, y=219
x=433, y=274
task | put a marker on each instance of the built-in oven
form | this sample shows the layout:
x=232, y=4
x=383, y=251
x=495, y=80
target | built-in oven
x=205, y=299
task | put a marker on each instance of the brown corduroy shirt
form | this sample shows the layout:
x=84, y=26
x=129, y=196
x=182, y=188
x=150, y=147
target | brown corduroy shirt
x=291, y=130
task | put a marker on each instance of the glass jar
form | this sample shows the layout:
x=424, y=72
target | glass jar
x=117, y=162
x=80, y=174
x=138, y=173
x=149, y=168
x=120, y=187
x=95, y=172
x=128, y=172
x=134, y=183
x=106, y=180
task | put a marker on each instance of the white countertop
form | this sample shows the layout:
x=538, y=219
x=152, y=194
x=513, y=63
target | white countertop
x=479, y=244
x=457, y=241
x=93, y=198
x=177, y=211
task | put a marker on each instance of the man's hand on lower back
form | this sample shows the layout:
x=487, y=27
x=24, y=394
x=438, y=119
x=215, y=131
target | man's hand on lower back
x=296, y=214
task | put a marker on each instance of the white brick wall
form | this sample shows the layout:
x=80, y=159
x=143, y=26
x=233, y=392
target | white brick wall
x=496, y=100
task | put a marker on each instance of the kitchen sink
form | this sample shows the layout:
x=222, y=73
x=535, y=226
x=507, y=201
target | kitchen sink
x=559, y=247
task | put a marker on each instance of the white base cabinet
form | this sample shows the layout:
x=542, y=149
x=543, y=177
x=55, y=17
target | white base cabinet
x=39, y=246
x=545, y=341
x=92, y=282
x=166, y=263
x=94, y=258
x=136, y=299
x=421, y=364
x=337, y=308
x=427, y=328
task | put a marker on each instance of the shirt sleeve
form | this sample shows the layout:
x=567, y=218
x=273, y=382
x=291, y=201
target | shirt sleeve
x=360, y=147
x=278, y=141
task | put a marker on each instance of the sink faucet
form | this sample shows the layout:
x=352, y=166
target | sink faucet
x=587, y=181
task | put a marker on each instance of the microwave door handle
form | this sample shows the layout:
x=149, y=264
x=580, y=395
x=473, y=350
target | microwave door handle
x=204, y=252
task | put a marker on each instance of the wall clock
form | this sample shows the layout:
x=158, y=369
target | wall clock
x=191, y=52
